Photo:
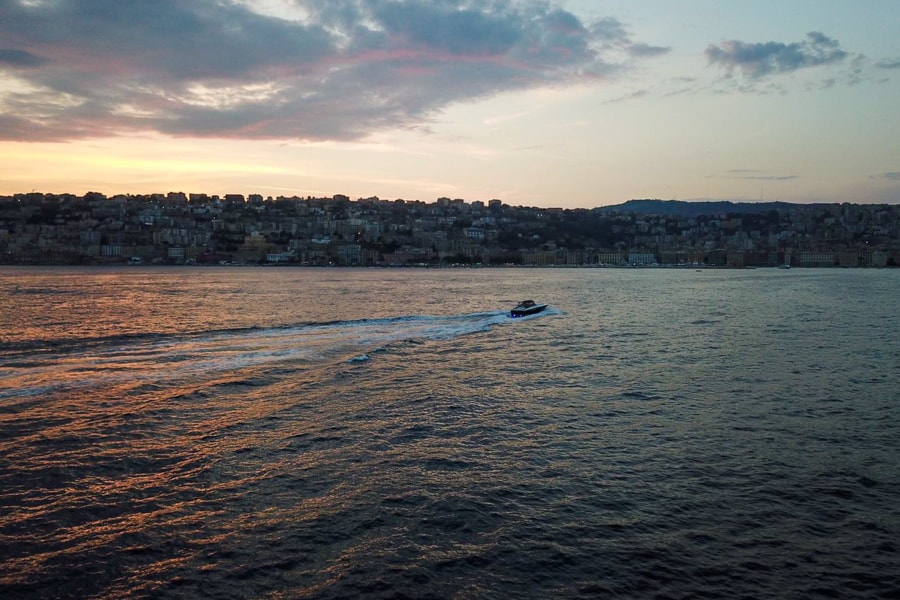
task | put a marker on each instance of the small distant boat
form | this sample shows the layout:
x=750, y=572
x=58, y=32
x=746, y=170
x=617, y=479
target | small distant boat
x=525, y=308
x=784, y=266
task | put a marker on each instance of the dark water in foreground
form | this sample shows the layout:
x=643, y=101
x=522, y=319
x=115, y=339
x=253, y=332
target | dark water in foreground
x=280, y=433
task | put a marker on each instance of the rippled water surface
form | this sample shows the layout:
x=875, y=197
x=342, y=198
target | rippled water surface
x=294, y=433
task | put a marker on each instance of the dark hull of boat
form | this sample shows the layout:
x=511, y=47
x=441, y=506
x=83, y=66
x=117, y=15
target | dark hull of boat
x=524, y=312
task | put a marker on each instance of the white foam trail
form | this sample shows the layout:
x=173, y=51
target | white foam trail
x=173, y=358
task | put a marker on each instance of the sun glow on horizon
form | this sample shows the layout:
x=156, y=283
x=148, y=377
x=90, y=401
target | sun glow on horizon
x=565, y=104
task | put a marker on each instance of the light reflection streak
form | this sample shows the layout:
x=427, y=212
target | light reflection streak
x=173, y=359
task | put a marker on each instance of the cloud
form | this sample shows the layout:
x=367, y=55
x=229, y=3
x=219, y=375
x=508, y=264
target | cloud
x=645, y=50
x=19, y=58
x=757, y=60
x=754, y=175
x=218, y=68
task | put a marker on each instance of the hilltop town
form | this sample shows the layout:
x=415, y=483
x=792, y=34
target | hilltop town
x=179, y=228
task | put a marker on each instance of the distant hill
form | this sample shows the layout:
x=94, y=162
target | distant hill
x=681, y=208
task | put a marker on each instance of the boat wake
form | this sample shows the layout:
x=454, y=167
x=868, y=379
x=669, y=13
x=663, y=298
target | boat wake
x=101, y=362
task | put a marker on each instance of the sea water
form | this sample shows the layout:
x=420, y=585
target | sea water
x=337, y=433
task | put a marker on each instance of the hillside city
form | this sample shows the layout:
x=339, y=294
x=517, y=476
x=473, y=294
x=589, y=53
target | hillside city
x=178, y=228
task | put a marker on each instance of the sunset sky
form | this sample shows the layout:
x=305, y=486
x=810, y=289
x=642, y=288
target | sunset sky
x=578, y=103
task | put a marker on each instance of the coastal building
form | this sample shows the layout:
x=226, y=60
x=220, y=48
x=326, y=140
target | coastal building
x=612, y=258
x=814, y=259
x=642, y=259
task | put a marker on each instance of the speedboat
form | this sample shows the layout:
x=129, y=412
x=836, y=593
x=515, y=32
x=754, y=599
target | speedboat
x=525, y=308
